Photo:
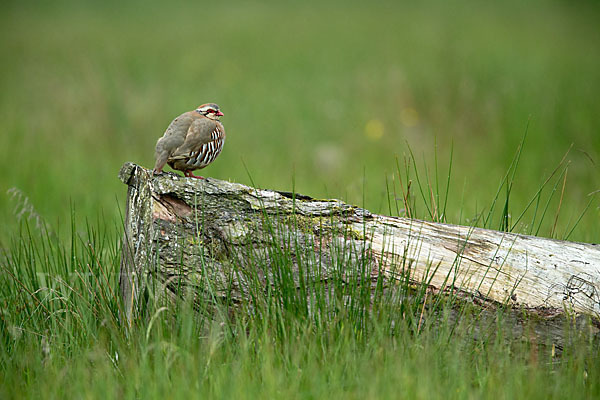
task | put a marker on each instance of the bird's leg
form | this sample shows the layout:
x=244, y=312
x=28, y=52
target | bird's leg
x=188, y=173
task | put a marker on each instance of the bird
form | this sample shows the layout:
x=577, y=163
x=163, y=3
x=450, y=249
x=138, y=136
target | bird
x=192, y=141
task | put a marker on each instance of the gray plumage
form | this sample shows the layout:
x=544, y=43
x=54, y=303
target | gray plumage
x=192, y=141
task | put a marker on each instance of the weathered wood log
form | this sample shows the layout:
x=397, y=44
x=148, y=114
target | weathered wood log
x=181, y=228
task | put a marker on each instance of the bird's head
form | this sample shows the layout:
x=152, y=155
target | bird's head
x=210, y=110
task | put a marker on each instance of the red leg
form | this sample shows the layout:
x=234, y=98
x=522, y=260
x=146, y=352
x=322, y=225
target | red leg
x=189, y=174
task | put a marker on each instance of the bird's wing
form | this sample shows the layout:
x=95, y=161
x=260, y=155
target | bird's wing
x=172, y=139
x=198, y=134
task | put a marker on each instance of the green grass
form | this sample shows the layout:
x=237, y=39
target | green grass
x=62, y=337
x=86, y=87
x=401, y=108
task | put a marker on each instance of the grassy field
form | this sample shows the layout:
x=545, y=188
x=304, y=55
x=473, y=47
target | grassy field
x=333, y=99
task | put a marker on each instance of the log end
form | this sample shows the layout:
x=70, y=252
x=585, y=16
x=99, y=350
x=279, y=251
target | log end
x=126, y=172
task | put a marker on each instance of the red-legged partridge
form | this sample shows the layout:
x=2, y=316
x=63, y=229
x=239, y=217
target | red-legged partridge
x=192, y=141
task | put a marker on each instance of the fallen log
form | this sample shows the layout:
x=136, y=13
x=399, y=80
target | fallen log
x=184, y=229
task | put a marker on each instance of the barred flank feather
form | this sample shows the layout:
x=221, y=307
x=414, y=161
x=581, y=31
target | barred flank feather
x=208, y=152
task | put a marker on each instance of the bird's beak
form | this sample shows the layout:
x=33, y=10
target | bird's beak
x=219, y=114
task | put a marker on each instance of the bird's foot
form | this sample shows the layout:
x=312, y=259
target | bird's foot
x=189, y=174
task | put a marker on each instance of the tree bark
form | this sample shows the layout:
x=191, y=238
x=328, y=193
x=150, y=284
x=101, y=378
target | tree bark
x=181, y=228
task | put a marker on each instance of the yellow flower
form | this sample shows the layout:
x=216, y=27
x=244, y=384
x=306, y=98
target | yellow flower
x=374, y=129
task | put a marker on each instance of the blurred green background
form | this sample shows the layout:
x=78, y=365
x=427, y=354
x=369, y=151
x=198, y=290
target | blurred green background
x=326, y=94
